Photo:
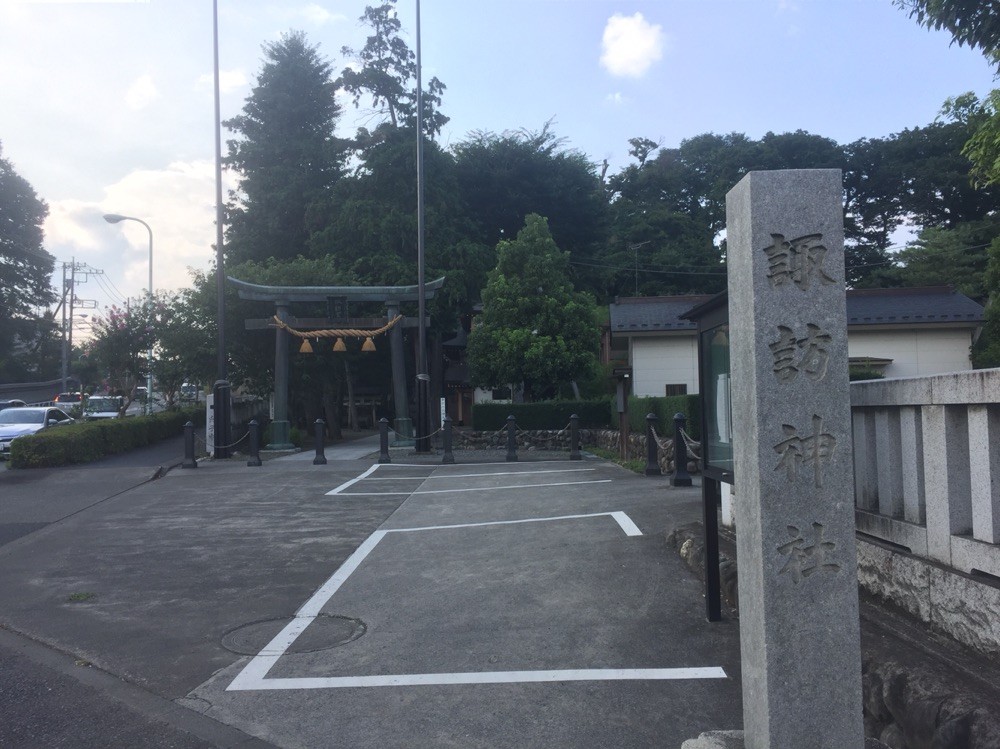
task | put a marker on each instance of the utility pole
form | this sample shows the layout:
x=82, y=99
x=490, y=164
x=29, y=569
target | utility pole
x=72, y=295
x=67, y=304
x=635, y=248
x=65, y=350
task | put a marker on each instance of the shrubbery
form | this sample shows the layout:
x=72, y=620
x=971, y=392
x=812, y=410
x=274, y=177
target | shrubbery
x=665, y=408
x=86, y=441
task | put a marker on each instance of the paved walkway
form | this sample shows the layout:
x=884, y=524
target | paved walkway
x=495, y=604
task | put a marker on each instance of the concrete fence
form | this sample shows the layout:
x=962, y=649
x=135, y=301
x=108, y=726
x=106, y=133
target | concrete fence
x=927, y=483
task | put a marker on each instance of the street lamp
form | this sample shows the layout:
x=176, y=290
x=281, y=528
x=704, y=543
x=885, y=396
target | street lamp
x=114, y=218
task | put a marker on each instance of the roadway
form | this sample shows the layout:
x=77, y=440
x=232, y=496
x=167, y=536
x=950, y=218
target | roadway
x=476, y=605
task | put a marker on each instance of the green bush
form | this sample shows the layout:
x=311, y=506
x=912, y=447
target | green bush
x=856, y=374
x=86, y=441
x=594, y=414
x=665, y=408
x=295, y=435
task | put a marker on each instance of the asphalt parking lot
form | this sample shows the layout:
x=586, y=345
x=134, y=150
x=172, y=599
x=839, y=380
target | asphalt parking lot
x=353, y=604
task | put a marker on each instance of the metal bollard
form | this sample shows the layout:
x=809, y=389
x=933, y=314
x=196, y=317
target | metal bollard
x=511, y=439
x=448, y=456
x=254, y=444
x=681, y=476
x=574, y=438
x=320, y=432
x=652, y=466
x=383, y=441
x=189, y=461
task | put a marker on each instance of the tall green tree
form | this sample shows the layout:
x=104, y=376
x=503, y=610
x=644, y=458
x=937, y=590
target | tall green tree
x=119, y=345
x=185, y=343
x=25, y=269
x=535, y=330
x=954, y=256
x=286, y=155
x=504, y=177
x=385, y=72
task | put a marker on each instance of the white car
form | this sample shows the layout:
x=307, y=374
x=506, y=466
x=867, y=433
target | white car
x=102, y=407
x=17, y=422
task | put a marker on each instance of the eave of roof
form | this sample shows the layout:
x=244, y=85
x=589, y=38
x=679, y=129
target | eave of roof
x=907, y=307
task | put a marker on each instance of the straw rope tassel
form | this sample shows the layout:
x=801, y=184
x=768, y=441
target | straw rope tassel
x=337, y=333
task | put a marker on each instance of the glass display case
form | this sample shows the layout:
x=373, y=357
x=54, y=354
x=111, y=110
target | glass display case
x=712, y=319
x=717, y=428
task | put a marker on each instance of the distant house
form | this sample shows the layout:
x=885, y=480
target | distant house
x=897, y=332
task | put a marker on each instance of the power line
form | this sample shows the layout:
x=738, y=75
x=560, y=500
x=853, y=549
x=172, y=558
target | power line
x=650, y=270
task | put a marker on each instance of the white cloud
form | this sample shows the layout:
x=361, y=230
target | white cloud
x=178, y=203
x=630, y=45
x=229, y=80
x=141, y=93
x=615, y=99
x=319, y=15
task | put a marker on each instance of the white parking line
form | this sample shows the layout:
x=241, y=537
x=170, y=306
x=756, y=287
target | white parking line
x=353, y=481
x=473, y=489
x=253, y=676
x=489, y=677
x=478, y=475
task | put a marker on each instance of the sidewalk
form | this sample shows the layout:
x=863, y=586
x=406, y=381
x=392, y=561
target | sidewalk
x=177, y=585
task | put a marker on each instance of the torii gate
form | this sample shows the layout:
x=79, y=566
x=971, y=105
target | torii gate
x=337, y=297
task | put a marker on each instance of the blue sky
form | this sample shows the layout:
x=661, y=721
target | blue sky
x=107, y=106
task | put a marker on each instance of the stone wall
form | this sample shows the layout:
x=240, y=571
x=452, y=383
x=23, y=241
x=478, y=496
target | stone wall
x=908, y=703
x=950, y=602
x=559, y=440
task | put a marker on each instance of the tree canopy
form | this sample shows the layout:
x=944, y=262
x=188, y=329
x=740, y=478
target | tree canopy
x=386, y=71
x=971, y=22
x=535, y=330
x=287, y=155
x=25, y=270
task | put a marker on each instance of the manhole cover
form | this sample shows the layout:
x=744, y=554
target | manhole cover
x=324, y=632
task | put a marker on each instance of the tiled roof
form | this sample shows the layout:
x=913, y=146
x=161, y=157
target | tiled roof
x=912, y=306
x=653, y=313
x=928, y=304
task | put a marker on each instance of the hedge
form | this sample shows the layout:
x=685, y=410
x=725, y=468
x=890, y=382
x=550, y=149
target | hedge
x=86, y=441
x=665, y=408
x=594, y=414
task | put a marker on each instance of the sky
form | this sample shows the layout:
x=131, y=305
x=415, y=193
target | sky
x=106, y=106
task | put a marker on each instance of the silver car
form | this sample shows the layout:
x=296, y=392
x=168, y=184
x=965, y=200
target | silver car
x=17, y=422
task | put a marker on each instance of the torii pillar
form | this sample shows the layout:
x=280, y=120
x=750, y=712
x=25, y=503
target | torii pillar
x=280, y=427
x=403, y=424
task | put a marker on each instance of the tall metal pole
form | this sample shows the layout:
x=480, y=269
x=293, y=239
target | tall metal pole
x=423, y=379
x=221, y=389
x=149, y=351
x=220, y=277
x=65, y=345
x=72, y=296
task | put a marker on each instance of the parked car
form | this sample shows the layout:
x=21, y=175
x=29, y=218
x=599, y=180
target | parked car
x=17, y=422
x=102, y=407
x=68, y=399
x=12, y=403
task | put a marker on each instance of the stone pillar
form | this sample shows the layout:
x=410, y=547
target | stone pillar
x=280, y=428
x=799, y=633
